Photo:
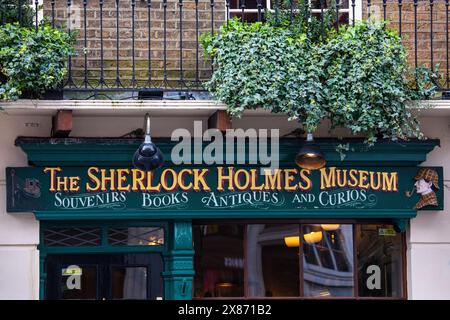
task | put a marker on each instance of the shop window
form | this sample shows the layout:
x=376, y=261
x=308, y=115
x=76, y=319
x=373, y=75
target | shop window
x=136, y=236
x=219, y=261
x=380, y=262
x=86, y=289
x=298, y=260
x=129, y=282
x=328, y=260
x=72, y=237
x=272, y=267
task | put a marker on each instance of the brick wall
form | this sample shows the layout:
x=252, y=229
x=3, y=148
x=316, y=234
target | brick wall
x=428, y=46
x=152, y=54
x=146, y=54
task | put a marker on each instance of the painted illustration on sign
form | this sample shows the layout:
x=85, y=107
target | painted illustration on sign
x=23, y=190
x=426, y=180
x=222, y=188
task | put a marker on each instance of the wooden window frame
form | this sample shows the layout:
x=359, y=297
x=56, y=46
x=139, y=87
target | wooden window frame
x=268, y=3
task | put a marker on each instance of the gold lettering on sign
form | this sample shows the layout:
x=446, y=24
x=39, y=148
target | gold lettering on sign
x=327, y=178
x=53, y=172
x=304, y=177
x=200, y=179
x=390, y=181
x=288, y=179
x=182, y=180
x=138, y=177
x=272, y=181
x=332, y=177
x=222, y=178
x=228, y=179
x=94, y=179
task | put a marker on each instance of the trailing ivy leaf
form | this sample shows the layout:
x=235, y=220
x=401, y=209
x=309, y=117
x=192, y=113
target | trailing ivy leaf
x=32, y=61
x=357, y=78
x=369, y=82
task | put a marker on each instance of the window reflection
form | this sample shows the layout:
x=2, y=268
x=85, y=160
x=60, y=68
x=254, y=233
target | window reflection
x=273, y=267
x=79, y=282
x=379, y=252
x=129, y=282
x=328, y=260
x=136, y=236
x=219, y=260
x=292, y=260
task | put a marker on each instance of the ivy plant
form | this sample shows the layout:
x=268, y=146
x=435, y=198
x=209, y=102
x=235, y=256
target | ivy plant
x=12, y=11
x=32, y=61
x=368, y=83
x=357, y=77
x=260, y=65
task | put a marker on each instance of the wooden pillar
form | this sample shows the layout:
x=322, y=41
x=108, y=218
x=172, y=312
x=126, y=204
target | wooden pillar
x=178, y=272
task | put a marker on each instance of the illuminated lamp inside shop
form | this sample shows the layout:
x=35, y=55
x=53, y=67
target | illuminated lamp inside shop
x=292, y=242
x=313, y=237
x=330, y=227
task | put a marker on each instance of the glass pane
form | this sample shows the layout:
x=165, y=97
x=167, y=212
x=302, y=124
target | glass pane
x=79, y=282
x=380, y=261
x=72, y=237
x=319, y=4
x=248, y=16
x=273, y=260
x=136, y=236
x=219, y=260
x=129, y=282
x=248, y=4
x=328, y=260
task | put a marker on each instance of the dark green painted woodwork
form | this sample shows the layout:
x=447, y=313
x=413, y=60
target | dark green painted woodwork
x=178, y=251
x=316, y=202
x=119, y=152
x=178, y=262
x=211, y=214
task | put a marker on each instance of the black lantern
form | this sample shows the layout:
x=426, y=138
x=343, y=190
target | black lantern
x=148, y=157
x=310, y=156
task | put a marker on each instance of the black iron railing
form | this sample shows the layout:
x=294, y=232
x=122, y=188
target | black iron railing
x=143, y=48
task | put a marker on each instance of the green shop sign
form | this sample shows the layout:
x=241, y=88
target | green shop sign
x=194, y=192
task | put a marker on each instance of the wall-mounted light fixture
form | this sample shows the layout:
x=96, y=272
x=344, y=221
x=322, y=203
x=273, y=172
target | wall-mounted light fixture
x=310, y=156
x=148, y=157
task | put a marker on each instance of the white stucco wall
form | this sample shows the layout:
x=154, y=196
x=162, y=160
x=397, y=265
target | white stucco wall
x=19, y=234
x=428, y=236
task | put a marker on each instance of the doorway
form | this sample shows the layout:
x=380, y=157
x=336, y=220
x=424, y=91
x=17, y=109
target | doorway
x=117, y=276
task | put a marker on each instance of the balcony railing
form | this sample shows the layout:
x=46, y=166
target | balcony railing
x=149, y=48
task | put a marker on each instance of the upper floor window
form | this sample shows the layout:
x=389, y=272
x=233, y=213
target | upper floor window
x=255, y=10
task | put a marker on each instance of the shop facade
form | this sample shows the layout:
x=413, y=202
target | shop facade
x=78, y=222
x=217, y=231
